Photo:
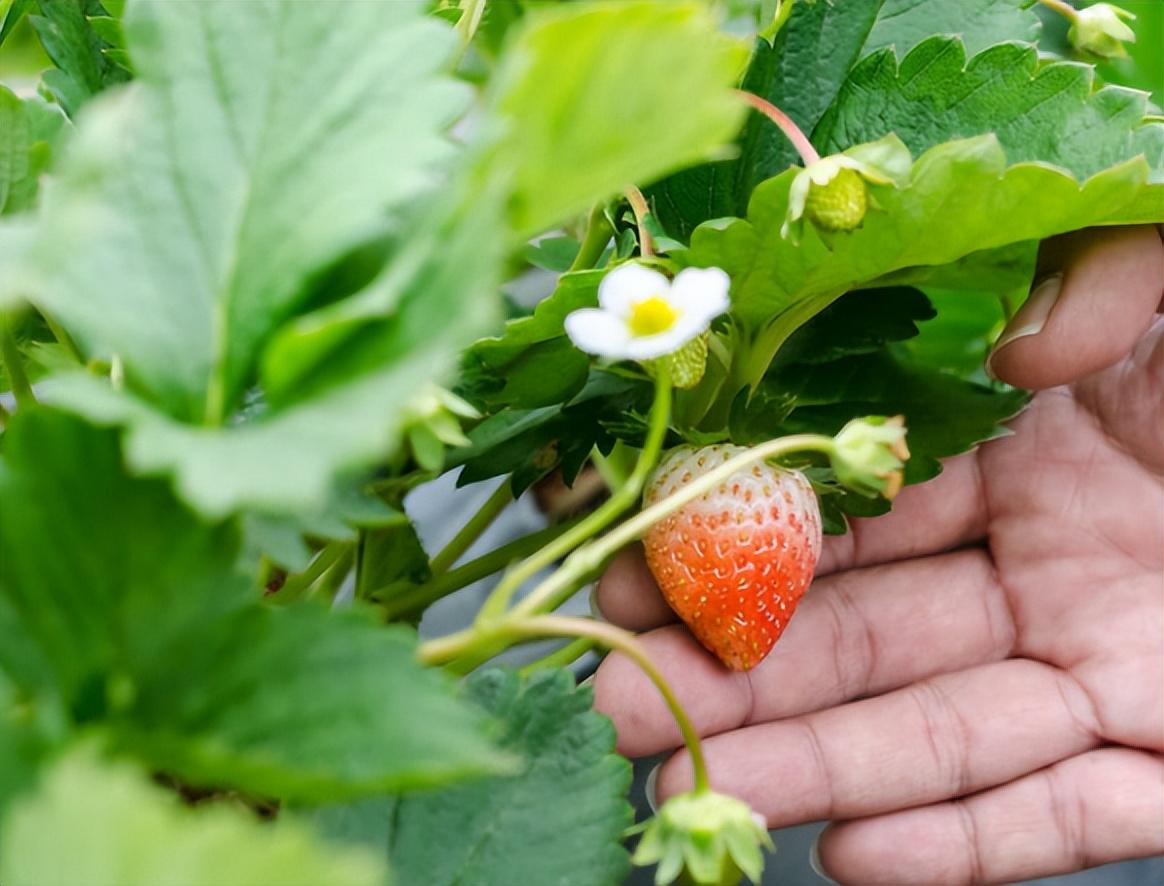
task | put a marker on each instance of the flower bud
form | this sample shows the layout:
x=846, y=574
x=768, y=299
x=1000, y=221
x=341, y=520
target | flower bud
x=869, y=454
x=1101, y=30
x=704, y=838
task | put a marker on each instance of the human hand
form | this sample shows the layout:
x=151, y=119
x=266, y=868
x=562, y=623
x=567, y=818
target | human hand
x=973, y=688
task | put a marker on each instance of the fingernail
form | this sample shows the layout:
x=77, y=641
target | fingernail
x=1031, y=317
x=814, y=862
x=650, y=788
x=595, y=612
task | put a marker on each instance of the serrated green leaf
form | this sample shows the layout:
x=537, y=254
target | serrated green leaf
x=902, y=24
x=532, y=363
x=818, y=44
x=945, y=415
x=600, y=96
x=97, y=822
x=1046, y=113
x=558, y=821
x=146, y=626
x=262, y=140
x=82, y=69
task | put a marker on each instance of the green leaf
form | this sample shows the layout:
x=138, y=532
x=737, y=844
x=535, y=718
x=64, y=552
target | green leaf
x=559, y=820
x=600, y=96
x=532, y=363
x=818, y=44
x=959, y=198
x=262, y=140
x=1046, y=113
x=320, y=707
x=137, y=572
x=960, y=337
x=82, y=67
x=902, y=24
x=28, y=129
x=16, y=10
x=95, y=822
x=146, y=626
x=945, y=415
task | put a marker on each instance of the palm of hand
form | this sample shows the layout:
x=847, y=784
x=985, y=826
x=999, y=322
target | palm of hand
x=973, y=685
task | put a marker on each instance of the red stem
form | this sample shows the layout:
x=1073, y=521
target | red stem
x=799, y=140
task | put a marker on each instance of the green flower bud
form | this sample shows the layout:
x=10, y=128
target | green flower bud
x=687, y=364
x=704, y=838
x=1101, y=30
x=840, y=204
x=869, y=454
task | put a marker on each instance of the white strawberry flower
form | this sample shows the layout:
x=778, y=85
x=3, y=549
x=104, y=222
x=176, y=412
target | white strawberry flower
x=643, y=316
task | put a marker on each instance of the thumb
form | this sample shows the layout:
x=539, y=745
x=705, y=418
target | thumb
x=1095, y=295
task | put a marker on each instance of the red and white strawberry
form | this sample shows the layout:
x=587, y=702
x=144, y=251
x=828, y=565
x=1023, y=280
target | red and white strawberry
x=734, y=563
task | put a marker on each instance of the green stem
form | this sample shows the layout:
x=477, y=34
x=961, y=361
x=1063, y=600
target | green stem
x=1066, y=10
x=415, y=599
x=598, y=233
x=21, y=389
x=467, y=24
x=620, y=499
x=562, y=657
x=471, y=531
x=625, y=642
x=329, y=583
x=299, y=584
x=64, y=338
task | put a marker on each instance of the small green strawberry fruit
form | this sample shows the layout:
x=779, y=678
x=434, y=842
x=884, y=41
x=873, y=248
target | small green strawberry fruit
x=704, y=838
x=686, y=365
x=840, y=204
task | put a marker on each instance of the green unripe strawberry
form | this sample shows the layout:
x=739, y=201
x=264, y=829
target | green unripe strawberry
x=839, y=205
x=687, y=364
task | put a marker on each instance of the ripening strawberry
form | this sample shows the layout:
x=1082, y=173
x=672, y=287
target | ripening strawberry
x=734, y=563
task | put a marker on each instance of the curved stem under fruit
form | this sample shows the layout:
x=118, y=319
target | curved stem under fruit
x=799, y=140
x=625, y=642
x=641, y=210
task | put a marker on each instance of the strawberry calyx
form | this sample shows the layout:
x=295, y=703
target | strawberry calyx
x=705, y=838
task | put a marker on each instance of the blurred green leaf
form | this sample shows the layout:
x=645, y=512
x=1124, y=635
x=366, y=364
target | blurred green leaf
x=818, y=44
x=979, y=24
x=28, y=132
x=97, y=822
x=560, y=820
x=252, y=152
x=146, y=626
x=600, y=96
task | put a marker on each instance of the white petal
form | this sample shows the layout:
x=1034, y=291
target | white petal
x=598, y=332
x=649, y=347
x=701, y=293
x=630, y=283
x=825, y=170
x=797, y=197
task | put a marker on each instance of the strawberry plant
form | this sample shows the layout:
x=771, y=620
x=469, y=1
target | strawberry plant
x=254, y=260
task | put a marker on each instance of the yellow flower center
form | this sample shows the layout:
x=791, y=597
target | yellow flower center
x=652, y=316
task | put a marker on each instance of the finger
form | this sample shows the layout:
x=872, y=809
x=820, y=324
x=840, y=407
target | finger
x=856, y=633
x=627, y=595
x=1098, y=292
x=1102, y=806
x=938, y=739
x=944, y=513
